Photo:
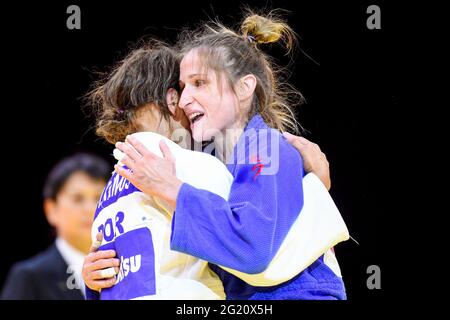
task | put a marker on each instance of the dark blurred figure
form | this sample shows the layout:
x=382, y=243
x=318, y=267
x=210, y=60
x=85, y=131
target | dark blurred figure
x=71, y=192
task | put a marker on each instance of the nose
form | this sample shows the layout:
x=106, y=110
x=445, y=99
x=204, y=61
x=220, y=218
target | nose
x=186, y=98
x=90, y=206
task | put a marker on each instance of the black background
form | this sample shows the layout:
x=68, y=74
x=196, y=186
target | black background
x=349, y=85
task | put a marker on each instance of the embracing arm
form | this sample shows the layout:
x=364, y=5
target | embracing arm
x=243, y=233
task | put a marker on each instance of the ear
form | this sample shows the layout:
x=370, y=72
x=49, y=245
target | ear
x=172, y=100
x=247, y=87
x=50, y=212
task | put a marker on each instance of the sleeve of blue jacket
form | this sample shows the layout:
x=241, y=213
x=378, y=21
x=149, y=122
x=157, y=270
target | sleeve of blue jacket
x=245, y=232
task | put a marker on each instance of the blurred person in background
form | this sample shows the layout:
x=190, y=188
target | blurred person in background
x=70, y=195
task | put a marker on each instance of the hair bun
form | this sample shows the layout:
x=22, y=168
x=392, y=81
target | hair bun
x=267, y=29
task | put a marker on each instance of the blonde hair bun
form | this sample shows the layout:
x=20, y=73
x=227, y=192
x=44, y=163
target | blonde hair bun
x=267, y=29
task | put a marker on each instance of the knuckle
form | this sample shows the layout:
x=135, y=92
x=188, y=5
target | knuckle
x=97, y=255
x=297, y=144
x=97, y=265
x=105, y=263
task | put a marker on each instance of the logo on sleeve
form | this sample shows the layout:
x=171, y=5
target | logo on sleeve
x=257, y=167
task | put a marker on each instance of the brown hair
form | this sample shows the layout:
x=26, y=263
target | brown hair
x=143, y=77
x=236, y=55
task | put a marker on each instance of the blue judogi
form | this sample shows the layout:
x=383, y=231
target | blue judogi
x=245, y=232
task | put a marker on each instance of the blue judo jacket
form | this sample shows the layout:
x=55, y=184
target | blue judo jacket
x=245, y=232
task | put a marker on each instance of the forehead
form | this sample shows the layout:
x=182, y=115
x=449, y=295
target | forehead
x=199, y=62
x=80, y=180
x=191, y=61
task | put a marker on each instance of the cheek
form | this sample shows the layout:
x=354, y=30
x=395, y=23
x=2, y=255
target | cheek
x=221, y=119
x=227, y=112
x=185, y=121
x=71, y=215
x=213, y=105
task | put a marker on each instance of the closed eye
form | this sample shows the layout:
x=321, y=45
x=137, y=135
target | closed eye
x=199, y=82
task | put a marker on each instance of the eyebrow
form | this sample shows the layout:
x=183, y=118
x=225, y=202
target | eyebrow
x=196, y=74
x=181, y=82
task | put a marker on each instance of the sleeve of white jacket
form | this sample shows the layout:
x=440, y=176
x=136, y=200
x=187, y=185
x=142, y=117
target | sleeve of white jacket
x=318, y=227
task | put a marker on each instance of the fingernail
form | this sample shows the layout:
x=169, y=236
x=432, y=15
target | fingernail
x=97, y=244
x=107, y=273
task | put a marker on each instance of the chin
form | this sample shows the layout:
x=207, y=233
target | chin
x=198, y=132
x=197, y=135
x=204, y=135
